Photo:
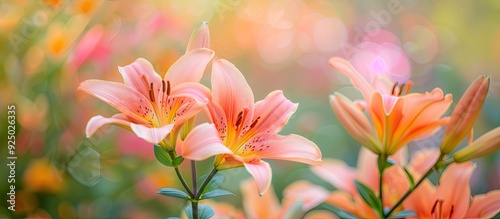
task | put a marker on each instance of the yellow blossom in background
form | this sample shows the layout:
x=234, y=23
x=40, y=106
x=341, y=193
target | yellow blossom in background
x=42, y=176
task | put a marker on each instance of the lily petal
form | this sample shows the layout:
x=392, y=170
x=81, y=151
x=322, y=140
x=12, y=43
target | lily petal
x=355, y=122
x=189, y=67
x=187, y=99
x=261, y=172
x=291, y=147
x=425, y=111
x=303, y=191
x=264, y=206
x=272, y=113
x=200, y=38
x=423, y=160
x=485, y=206
x=151, y=134
x=356, y=78
x=420, y=201
x=343, y=201
x=201, y=143
x=97, y=122
x=139, y=75
x=455, y=178
x=122, y=97
x=337, y=173
x=231, y=91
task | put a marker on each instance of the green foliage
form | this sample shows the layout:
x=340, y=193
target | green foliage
x=204, y=212
x=404, y=214
x=368, y=196
x=162, y=156
x=215, y=193
x=173, y=193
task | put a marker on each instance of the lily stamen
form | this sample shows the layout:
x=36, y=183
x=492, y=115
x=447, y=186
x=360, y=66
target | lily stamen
x=254, y=122
x=168, y=88
x=394, y=88
x=238, y=120
x=152, y=94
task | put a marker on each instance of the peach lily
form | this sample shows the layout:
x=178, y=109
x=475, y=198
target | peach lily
x=396, y=120
x=250, y=130
x=298, y=198
x=342, y=177
x=451, y=198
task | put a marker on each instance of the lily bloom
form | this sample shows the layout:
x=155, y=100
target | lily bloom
x=341, y=176
x=298, y=198
x=452, y=197
x=151, y=106
x=396, y=119
x=465, y=114
x=250, y=129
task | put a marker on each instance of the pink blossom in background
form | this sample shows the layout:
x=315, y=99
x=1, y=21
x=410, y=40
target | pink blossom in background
x=381, y=56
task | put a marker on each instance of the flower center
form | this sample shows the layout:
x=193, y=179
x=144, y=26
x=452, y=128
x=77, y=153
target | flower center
x=437, y=209
x=398, y=90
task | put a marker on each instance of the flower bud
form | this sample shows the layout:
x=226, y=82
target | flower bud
x=355, y=122
x=465, y=114
x=200, y=38
x=484, y=145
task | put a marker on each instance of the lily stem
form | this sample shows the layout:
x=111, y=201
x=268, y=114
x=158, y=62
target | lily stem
x=409, y=191
x=382, y=162
x=181, y=178
x=194, y=204
x=205, y=183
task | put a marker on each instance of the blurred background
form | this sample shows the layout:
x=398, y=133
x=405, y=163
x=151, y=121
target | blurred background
x=49, y=46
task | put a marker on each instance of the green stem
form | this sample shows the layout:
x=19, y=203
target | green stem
x=382, y=161
x=194, y=204
x=181, y=178
x=205, y=183
x=409, y=191
x=183, y=182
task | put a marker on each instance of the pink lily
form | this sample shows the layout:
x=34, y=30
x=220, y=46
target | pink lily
x=151, y=106
x=250, y=130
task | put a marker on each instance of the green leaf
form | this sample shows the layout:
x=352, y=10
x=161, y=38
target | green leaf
x=173, y=193
x=173, y=218
x=368, y=196
x=177, y=161
x=404, y=214
x=215, y=193
x=410, y=177
x=213, y=184
x=162, y=156
x=204, y=212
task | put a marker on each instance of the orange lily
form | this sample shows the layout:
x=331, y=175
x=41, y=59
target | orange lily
x=396, y=119
x=451, y=198
x=250, y=130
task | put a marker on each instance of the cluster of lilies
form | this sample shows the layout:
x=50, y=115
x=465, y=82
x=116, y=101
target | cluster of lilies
x=241, y=133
